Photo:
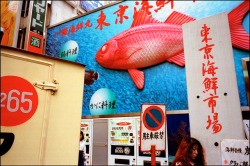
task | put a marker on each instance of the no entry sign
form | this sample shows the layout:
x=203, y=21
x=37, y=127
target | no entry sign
x=153, y=127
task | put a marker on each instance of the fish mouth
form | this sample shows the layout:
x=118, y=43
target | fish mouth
x=98, y=59
x=98, y=55
x=101, y=61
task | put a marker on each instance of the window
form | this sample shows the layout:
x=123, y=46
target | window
x=25, y=8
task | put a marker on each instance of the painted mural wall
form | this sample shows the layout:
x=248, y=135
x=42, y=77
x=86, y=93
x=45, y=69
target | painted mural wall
x=137, y=49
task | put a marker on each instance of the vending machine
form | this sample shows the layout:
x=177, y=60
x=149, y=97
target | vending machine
x=122, y=141
x=86, y=128
x=144, y=158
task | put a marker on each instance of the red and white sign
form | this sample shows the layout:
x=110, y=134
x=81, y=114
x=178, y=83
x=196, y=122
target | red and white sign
x=35, y=43
x=19, y=100
x=153, y=127
x=123, y=123
x=84, y=125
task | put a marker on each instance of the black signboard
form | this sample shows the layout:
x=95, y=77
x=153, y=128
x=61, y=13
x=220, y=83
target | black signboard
x=122, y=150
x=38, y=16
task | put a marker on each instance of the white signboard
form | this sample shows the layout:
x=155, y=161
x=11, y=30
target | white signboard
x=246, y=127
x=235, y=152
x=213, y=97
x=153, y=127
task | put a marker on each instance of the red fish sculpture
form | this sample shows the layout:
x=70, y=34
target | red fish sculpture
x=149, y=42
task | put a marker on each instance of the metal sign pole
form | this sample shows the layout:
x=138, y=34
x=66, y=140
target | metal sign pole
x=153, y=158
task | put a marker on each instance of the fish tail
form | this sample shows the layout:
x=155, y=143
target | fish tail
x=239, y=37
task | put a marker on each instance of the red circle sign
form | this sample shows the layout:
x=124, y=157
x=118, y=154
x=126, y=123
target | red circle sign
x=19, y=100
x=159, y=124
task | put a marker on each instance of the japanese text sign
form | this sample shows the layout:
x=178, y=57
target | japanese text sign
x=38, y=16
x=213, y=97
x=35, y=43
x=153, y=127
x=235, y=152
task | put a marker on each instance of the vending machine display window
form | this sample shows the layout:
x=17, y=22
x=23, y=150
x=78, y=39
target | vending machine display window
x=86, y=128
x=122, y=132
x=122, y=141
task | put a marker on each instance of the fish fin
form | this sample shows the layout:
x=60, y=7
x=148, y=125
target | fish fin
x=127, y=52
x=141, y=18
x=138, y=77
x=178, y=59
x=239, y=37
x=178, y=18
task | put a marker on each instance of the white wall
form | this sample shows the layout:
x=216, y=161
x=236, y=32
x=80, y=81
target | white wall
x=61, y=11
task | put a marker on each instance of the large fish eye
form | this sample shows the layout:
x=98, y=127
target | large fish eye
x=104, y=48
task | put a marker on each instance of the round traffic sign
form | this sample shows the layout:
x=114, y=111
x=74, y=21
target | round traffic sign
x=153, y=118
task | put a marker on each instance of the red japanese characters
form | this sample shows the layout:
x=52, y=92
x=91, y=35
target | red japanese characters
x=210, y=80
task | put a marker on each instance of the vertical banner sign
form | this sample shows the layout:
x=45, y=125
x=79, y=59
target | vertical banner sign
x=38, y=16
x=153, y=127
x=235, y=152
x=8, y=21
x=37, y=26
x=213, y=97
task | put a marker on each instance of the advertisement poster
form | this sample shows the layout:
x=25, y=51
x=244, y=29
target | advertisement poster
x=137, y=49
x=8, y=20
x=91, y=5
